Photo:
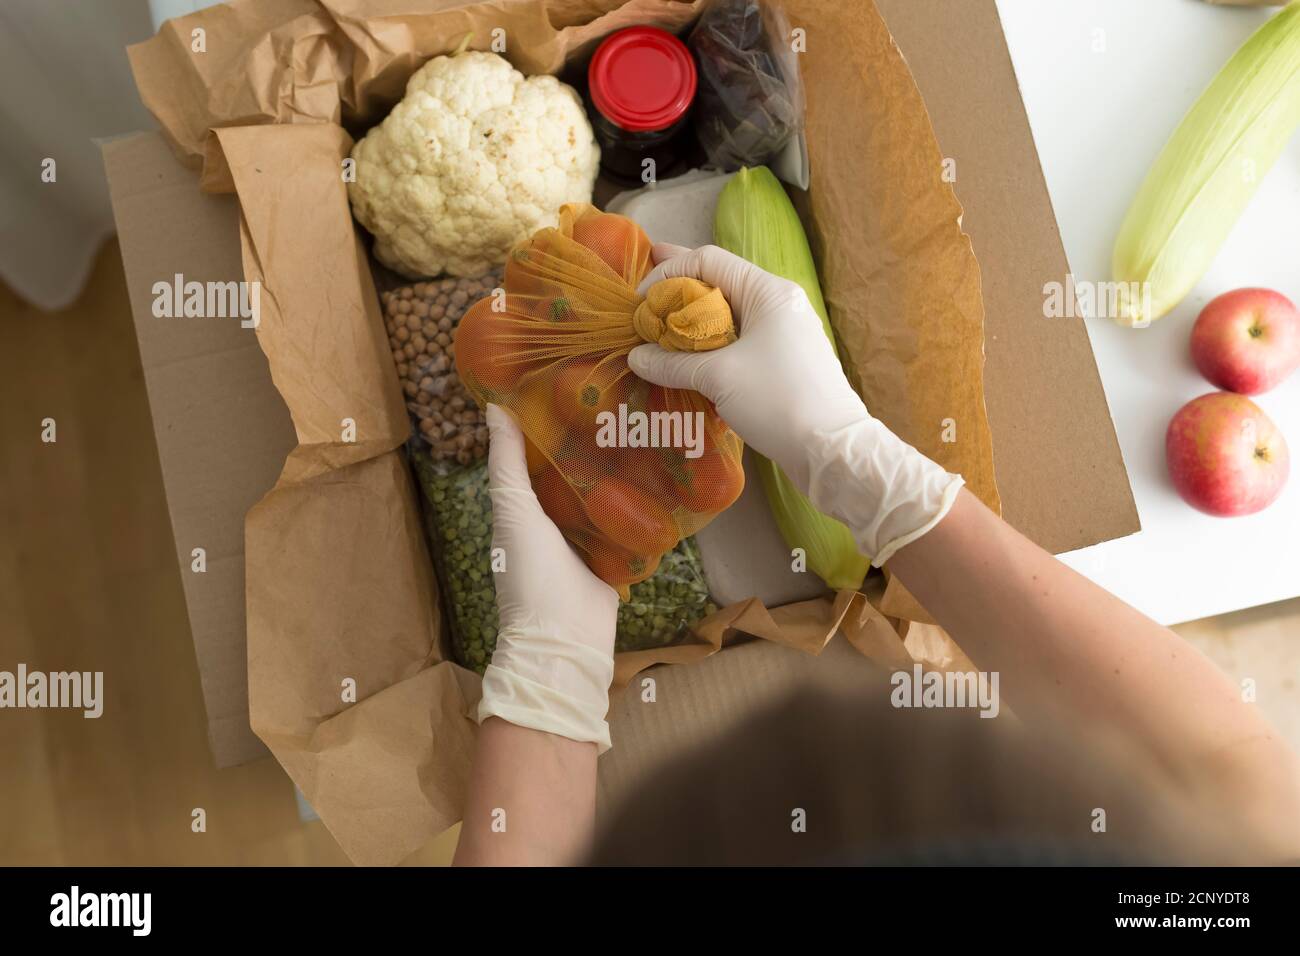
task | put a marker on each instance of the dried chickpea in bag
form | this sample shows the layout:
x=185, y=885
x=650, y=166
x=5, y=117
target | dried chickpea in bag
x=626, y=469
x=421, y=320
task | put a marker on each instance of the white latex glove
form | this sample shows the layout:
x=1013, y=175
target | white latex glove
x=781, y=388
x=554, y=658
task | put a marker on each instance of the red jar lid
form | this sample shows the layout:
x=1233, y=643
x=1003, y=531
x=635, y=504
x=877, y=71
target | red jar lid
x=642, y=79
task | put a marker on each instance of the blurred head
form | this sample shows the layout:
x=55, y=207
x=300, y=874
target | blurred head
x=827, y=778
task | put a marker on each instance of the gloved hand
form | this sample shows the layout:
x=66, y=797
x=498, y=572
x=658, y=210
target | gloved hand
x=554, y=658
x=781, y=388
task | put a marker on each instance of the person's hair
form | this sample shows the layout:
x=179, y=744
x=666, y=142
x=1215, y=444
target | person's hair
x=823, y=777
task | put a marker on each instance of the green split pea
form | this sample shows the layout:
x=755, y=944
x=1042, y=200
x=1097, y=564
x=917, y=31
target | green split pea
x=458, y=518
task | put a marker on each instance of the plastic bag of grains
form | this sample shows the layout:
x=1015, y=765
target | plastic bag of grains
x=449, y=453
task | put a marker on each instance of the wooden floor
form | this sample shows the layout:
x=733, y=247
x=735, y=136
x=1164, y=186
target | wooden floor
x=88, y=581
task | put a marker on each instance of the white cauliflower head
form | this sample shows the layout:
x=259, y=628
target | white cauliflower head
x=474, y=158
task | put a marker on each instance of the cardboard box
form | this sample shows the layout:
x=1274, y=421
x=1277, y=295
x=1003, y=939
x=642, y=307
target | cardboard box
x=223, y=431
x=1059, y=468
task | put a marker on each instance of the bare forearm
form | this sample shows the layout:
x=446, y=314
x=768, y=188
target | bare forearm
x=532, y=799
x=1059, y=640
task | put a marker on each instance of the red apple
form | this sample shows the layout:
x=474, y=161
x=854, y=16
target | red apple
x=1247, y=341
x=1225, y=456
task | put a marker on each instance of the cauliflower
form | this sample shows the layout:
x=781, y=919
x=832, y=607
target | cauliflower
x=474, y=158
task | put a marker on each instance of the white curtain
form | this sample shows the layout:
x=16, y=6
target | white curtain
x=64, y=82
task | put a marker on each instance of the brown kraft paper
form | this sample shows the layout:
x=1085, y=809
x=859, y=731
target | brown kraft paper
x=340, y=587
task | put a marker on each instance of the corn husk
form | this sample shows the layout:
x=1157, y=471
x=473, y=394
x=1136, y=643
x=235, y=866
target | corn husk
x=1208, y=171
x=756, y=220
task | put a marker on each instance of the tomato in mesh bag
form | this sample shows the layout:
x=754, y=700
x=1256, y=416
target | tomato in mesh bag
x=626, y=469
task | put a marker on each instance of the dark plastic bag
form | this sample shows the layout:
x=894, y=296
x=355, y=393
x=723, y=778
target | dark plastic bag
x=749, y=104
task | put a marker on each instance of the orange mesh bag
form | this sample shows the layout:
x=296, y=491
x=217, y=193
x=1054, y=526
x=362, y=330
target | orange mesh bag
x=625, y=468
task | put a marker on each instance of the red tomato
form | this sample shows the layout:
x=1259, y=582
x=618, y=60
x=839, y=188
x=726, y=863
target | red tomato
x=647, y=468
x=620, y=243
x=630, y=516
x=660, y=399
x=586, y=386
x=708, y=484
x=560, y=502
x=485, y=358
x=617, y=566
x=577, y=391
x=535, y=458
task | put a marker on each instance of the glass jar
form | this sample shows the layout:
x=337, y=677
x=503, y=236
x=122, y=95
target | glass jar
x=640, y=86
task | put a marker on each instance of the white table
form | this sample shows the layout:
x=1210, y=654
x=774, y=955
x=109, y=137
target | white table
x=1105, y=83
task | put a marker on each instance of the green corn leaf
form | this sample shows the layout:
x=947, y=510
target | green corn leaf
x=756, y=220
x=1208, y=171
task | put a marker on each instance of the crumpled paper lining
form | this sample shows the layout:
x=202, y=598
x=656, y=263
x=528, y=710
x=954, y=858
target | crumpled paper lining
x=346, y=62
x=340, y=586
x=899, y=276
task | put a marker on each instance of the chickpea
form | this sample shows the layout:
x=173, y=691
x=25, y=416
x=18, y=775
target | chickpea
x=420, y=321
